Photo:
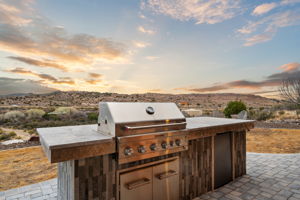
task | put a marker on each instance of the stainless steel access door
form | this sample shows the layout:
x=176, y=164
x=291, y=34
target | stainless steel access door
x=157, y=182
x=136, y=185
x=166, y=181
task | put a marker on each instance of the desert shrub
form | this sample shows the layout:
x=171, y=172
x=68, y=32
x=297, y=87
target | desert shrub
x=298, y=113
x=65, y=111
x=32, y=131
x=48, y=116
x=93, y=116
x=261, y=115
x=78, y=115
x=281, y=112
x=7, y=136
x=14, y=116
x=261, y=108
x=12, y=134
x=35, y=113
x=234, y=107
x=2, y=118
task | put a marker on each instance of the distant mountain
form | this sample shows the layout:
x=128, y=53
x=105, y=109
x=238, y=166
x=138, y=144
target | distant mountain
x=17, y=95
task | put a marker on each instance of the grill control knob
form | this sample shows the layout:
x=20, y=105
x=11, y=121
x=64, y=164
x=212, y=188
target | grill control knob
x=178, y=142
x=171, y=143
x=128, y=151
x=153, y=147
x=141, y=149
x=164, y=145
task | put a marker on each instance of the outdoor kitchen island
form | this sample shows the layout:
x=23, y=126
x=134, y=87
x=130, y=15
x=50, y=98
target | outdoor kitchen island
x=169, y=157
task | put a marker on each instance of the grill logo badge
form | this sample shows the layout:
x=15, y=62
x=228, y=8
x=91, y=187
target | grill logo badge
x=150, y=110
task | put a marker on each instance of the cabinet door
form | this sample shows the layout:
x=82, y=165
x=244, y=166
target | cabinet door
x=223, y=159
x=166, y=181
x=136, y=185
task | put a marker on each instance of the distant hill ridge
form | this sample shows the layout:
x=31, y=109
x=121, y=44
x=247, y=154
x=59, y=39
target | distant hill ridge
x=82, y=98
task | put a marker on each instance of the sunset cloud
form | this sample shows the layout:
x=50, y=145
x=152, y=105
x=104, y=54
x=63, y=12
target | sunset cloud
x=289, y=1
x=202, y=12
x=264, y=8
x=14, y=14
x=12, y=85
x=95, y=75
x=152, y=57
x=291, y=71
x=31, y=36
x=39, y=63
x=93, y=82
x=290, y=67
x=140, y=44
x=145, y=30
x=44, y=77
x=264, y=29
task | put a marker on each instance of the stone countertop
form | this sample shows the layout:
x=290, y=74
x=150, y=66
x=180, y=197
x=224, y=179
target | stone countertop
x=74, y=142
x=70, y=136
x=195, y=123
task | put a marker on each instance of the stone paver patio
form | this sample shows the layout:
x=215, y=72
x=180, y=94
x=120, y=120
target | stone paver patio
x=269, y=176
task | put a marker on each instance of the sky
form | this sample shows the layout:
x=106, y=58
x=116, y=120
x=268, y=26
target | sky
x=139, y=46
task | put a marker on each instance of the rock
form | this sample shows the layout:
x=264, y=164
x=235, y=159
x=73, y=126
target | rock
x=8, y=142
x=34, y=139
x=242, y=115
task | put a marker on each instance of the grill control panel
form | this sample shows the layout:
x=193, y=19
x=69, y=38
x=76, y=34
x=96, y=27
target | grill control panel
x=140, y=147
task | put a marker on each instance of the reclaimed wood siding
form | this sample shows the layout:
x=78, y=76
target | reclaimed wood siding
x=196, y=169
x=95, y=178
x=239, y=153
x=65, y=183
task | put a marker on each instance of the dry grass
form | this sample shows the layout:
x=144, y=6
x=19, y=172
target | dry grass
x=262, y=140
x=24, y=166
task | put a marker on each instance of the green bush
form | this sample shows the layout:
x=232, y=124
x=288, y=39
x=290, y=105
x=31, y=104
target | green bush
x=234, y=107
x=281, y=112
x=93, y=116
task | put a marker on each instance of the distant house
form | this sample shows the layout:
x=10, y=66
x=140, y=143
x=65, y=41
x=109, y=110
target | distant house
x=184, y=103
x=193, y=112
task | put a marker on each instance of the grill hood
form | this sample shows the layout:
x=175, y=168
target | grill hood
x=113, y=113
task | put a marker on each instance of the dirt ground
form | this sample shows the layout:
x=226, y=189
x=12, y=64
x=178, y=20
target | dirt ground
x=29, y=165
x=19, y=167
x=24, y=135
x=262, y=140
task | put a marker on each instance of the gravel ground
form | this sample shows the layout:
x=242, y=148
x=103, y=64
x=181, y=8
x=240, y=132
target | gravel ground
x=279, y=124
x=19, y=145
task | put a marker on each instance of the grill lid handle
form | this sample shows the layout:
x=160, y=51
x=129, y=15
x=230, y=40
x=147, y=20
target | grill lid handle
x=153, y=126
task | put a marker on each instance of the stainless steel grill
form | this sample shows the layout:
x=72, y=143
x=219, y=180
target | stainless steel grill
x=143, y=130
